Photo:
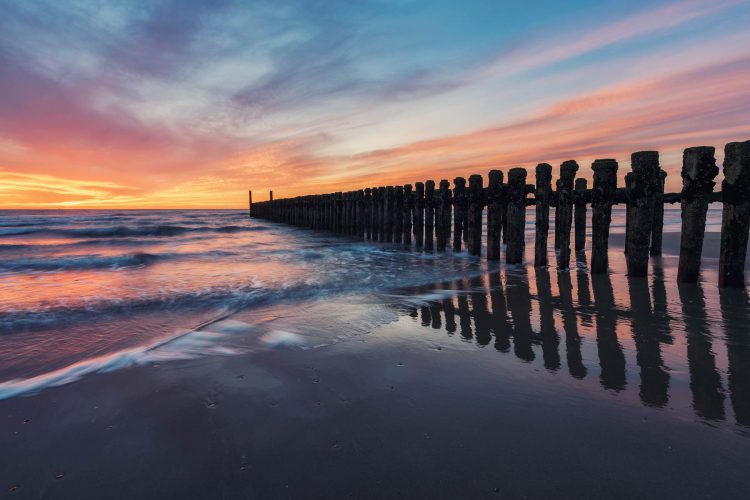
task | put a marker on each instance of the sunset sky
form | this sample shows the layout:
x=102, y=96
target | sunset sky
x=190, y=104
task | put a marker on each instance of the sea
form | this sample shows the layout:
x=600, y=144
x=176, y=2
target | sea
x=90, y=291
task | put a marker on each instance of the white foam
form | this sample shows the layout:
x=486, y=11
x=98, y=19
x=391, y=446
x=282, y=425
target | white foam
x=279, y=339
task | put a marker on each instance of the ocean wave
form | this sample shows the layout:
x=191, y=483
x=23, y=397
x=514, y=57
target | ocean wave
x=95, y=261
x=187, y=344
x=82, y=262
x=54, y=315
x=125, y=231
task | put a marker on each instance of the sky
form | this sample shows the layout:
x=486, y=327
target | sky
x=182, y=103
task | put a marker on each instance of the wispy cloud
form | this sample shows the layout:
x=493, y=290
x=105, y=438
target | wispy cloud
x=192, y=103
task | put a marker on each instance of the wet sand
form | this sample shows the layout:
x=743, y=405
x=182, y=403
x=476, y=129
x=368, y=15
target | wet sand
x=521, y=383
x=390, y=415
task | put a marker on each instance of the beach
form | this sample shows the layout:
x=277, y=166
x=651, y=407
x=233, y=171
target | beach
x=290, y=364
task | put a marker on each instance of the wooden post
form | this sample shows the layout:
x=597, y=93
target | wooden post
x=408, y=208
x=735, y=218
x=339, y=222
x=602, y=197
x=383, y=213
x=564, y=213
x=474, y=217
x=628, y=208
x=460, y=204
x=367, y=214
x=429, y=214
x=494, y=218
x=516, y=197
x=644, y=182
x=658, y=229
x=375, y=215
x=389, y=211
x=580, y=214
x=398, y=213
x=698, y=172
x=443, y=216
x=419, y=214
x=250, y=202
x=543, y=191
x=360, y=216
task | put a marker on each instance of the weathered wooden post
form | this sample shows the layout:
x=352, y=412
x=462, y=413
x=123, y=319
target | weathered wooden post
x=735, y=218
x=250, y=202
x=698, y=172
x=516, y=198
x=383, y=212
x=345, y=212
x=658, y=228
x=377, y=213
x=628, y=208
x=602, y=196
x=398, y=213
x=580, y=214
x=429, y=214
x=419, y=214
x=460, y=209
x=443, y=216
x=564, y=213
x=389, y=211
x=474, y=216
x=408, y=208
x=543, y=192
x=494, y=218
x=339, y=212
x=644, y=182
x=360, y=215
x=367, y=214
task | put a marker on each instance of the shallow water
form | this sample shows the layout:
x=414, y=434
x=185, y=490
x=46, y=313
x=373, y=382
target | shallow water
x=92, y=291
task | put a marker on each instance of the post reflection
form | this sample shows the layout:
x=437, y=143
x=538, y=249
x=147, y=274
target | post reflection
x=654, y=377
x=705, y=381
x=611, y=356
x=501, y=325
x=482, y=319
x=570, y=325
x=547, y=331
x=501, y=308
x=734, y=312
x=519, y=305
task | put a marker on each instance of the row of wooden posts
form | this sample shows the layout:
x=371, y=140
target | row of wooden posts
x=431, y=213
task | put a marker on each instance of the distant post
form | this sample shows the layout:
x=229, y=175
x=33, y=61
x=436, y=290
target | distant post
x=564, y=212
x=250, y=202
x=644, y=185
x=516, y=215
x=474, y=219
x=698, y=172
x=390, y=208
x=658, y=229
x=419, y=214
x=398, y=213
x=429, y=215
x=443, y=216
x=494, y=216
x=408, y=208
x=580, y=214
x=383, y=212
x=460, y=204
x=367, y=214
x=543, y=191
x=602, y=197
x=735, y=218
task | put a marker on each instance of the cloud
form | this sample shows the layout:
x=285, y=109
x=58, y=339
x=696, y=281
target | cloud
x=192, y=103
